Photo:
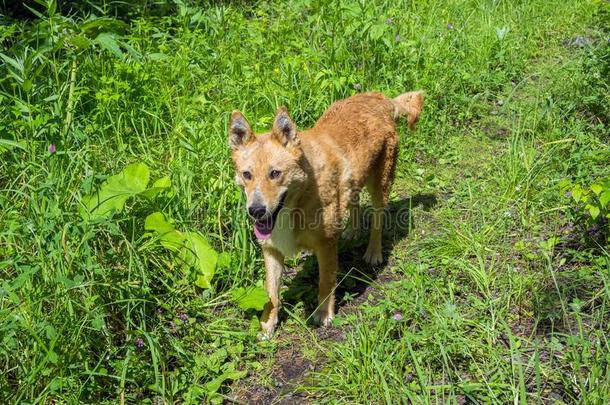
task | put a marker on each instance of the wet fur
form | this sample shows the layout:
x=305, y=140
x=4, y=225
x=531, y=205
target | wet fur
x=323, y=169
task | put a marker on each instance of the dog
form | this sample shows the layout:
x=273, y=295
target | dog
x=300, y=185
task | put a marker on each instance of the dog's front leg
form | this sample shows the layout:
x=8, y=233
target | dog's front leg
x=274, y=267
x=328, y=263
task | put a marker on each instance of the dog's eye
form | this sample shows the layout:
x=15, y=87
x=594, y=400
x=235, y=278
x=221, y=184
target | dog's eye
x=247, y=175
x=274, y=174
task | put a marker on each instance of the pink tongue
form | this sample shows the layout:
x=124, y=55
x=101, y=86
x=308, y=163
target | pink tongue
x=262, y=230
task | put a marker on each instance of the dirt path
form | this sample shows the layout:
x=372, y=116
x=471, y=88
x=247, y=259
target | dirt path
x=300, y=351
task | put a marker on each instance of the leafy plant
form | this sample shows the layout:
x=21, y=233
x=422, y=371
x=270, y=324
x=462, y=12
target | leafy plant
x=254, y=297
x=593, y=200
x=115, y=191
x=192, y=249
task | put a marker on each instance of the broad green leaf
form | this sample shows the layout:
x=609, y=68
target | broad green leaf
x=564, y=185
x=194, y=250
x=235, y=375
x=106, y=24
x=199, y=254
x=157, y=222
x=202, y=281
x=162, y=184
x=215, y=360
x=108, y=42
x=80, y=42
x=169, y=237
x=214, y=385
x=130, y=50
x=597, y=188
x=593, y=210
x=377, y=31
x=250, y=298
x=550, y=243
x=576, y=193
x=224, y=260
x=604, y=198
x=117, y=189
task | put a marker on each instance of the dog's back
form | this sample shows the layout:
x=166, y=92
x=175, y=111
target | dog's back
x=363, y=128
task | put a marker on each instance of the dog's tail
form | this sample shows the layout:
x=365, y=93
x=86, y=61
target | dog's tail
x=409, y=105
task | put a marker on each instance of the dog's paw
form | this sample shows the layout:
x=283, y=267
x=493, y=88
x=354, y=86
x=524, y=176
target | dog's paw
x=373, y=256
x=263, y=336
x=323, y=318
x=267, y=329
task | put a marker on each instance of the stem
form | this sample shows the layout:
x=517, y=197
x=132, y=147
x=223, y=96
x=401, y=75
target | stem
x=68, y=120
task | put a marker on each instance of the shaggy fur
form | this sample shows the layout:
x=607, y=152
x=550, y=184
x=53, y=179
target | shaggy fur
x=301, y=184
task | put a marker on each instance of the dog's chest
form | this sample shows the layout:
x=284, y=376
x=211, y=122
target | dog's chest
x=283, y=236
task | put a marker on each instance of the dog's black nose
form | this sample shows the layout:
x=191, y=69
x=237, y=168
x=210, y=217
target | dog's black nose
x=257, y=211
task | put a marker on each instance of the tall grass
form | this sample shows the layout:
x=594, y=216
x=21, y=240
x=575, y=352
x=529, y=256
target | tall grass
x=96, y=311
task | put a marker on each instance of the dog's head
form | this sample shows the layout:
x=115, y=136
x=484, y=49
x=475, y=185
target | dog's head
x=268, y=165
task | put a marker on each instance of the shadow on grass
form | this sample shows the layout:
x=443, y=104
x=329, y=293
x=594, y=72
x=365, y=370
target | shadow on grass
x=355, y=275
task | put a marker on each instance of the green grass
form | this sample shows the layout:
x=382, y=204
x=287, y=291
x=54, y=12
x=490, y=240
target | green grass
x=503, y=282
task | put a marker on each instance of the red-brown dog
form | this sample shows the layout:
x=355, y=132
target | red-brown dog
x=300, y=184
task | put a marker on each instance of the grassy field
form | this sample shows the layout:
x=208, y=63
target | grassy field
x=113, y=135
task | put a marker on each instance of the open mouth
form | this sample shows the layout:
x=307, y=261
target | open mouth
x=264, y=227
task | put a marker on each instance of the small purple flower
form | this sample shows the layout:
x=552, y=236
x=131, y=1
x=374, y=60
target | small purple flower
x=450, y=26
x=183, y=317
x=139, y=343
x=389, y=21
x=397, y=316
x=594, y=231
x=357, y=86
x=160, y=311
x=397, y=38
x=52, y=148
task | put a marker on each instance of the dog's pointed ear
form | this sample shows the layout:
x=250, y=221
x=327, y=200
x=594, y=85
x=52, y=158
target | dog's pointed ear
x=284, y=129
x=239, y=130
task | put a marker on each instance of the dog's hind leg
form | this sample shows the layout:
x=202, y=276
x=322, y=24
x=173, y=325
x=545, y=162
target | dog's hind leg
x=373, y=253
x=379, y=184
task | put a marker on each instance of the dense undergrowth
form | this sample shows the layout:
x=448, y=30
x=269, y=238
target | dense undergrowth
x=501, y=286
